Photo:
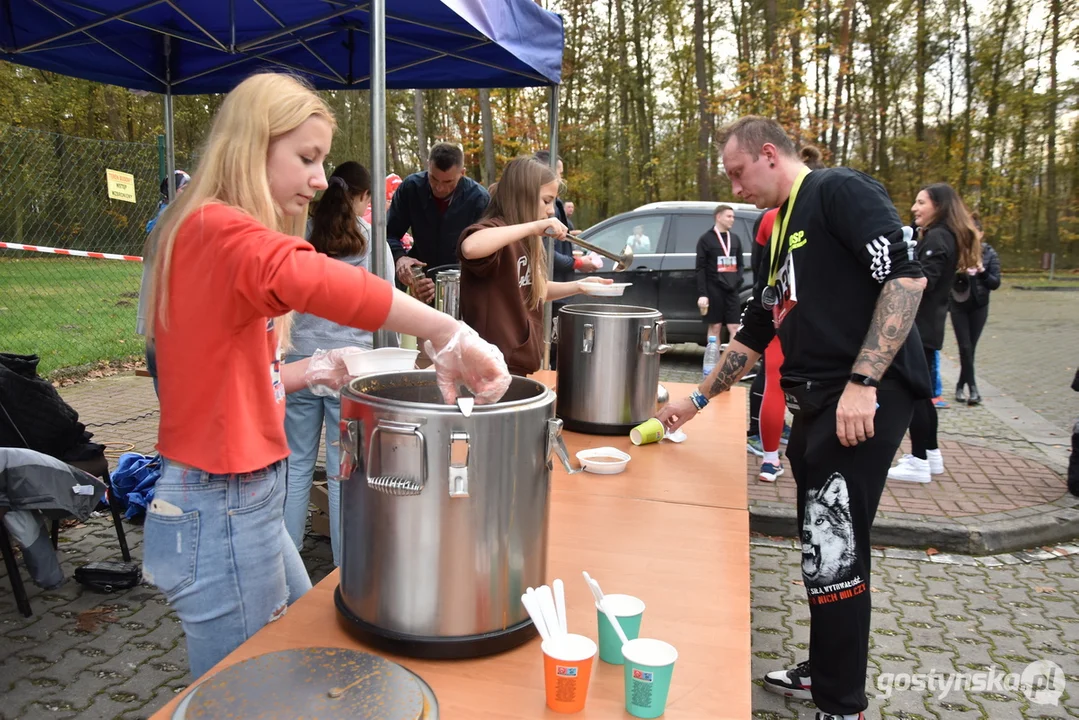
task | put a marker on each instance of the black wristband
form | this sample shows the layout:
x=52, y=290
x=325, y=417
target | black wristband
x=859, y=379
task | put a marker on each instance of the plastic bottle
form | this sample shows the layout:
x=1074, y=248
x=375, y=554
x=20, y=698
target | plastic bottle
x=711, y=355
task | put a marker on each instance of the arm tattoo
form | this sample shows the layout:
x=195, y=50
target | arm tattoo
x=733, y=367
x=892, y=321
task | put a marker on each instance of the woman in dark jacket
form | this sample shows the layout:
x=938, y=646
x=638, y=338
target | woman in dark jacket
x=970, y=309
x=948, y=240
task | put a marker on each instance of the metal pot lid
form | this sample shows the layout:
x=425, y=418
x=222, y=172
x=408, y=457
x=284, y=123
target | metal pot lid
x=328, y=683
x=417, y=390
x=618, y=311
x=445, y=274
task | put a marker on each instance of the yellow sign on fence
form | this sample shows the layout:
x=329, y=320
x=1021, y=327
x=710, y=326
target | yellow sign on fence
x=121, y=185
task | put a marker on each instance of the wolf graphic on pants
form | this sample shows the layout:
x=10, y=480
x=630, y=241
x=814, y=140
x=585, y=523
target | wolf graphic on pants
x=827, y=534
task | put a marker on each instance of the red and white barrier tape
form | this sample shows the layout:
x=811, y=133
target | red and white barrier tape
x=65, y=251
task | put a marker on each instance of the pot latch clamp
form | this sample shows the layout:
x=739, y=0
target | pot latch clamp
x=459, y=452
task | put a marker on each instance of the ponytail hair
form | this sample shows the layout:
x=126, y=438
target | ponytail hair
x=334, y=229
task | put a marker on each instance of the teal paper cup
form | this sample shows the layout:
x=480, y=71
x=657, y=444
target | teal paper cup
x=648, y=669
x=629, y=611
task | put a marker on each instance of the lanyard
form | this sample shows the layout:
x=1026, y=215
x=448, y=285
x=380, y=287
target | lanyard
x=778, y=233
x=725, y=248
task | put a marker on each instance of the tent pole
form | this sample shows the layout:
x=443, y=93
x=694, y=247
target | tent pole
x=549, y=241
x=379, y=249
x=170, y=134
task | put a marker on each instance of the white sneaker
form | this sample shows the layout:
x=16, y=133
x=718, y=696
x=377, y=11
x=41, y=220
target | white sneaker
x=904, y=460
x=936, y=462
x=913, y=470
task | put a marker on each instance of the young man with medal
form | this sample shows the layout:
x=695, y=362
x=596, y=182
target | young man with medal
x=719, y=274
x=841, y=290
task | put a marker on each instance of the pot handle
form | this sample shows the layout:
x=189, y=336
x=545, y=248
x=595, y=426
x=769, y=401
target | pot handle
x=349, y=444
x=661, y=337
x=556, y=444
x=394, y=484
x=460, y=448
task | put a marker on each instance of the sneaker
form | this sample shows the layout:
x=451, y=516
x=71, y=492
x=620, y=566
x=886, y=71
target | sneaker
x=940, y=403
x=786, y=436
x=793, y=682
x=753, y=445
x=960, y=395
x=975, y=396
x=936, y=461
x=913, y=470
x=770, y=472
x=830, y=716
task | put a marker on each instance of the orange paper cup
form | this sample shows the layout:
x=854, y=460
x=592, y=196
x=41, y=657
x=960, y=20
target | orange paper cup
x=567, y=668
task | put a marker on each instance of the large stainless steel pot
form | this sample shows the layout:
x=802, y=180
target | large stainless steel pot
x=444, y=517
x=608, y=366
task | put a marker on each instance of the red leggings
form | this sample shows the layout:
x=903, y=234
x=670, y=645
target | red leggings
x=774, y=404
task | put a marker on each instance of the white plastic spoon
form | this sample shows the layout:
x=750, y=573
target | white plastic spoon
x=529, y=601
x=614, y=622
x=596, y=590
x=591, y=588
x=560, y=604
x=550, y=615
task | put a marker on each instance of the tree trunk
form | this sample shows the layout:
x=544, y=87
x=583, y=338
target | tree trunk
x=771, y=22
x=705, y=120
x=393, y=128
x=1051, y=228
x=796, y=64
x=848, y=107
x=921, y=69
x=968, y=77
x=625, y=148
x=488, y=137
x=421, y=133
x=993, y=105
x=845, y=61
x=644, y=122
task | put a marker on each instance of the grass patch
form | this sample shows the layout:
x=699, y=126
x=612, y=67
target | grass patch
x=1061, y=279
x=71, y=312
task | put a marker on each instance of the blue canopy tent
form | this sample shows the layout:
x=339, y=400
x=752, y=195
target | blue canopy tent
x=187, y=47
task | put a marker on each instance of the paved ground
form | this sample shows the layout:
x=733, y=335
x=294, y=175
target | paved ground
x=1005, y=458
x=86, y=655
x=93, y=656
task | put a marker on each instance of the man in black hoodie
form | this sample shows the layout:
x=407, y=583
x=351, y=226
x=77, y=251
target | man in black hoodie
x=436, y=206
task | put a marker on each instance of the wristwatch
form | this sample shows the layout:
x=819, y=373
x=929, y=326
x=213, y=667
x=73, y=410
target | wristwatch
x=859, y=379
x=699, y=400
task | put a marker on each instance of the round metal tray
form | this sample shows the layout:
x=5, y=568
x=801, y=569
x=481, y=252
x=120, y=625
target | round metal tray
x=330, y=683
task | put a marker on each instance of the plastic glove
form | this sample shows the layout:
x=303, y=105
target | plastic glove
x=327, y=373
x=471, y=361
x=597, y=260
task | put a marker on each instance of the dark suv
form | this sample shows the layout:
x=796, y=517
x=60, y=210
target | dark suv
x=664, y=272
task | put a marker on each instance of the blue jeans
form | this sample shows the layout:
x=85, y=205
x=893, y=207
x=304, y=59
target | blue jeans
x=938, y=387
x=216, y=546
x=304, y=416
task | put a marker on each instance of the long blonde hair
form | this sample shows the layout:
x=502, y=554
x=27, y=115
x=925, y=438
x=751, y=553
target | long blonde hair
x=232, y=169
x=514, y=201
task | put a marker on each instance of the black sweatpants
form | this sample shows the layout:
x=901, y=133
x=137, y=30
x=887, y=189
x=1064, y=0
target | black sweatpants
x=839, y=489
x=968, y=323
x=923, y=426
x=756, y=397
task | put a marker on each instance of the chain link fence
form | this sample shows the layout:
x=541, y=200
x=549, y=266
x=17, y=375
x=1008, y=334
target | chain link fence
x=72, y=311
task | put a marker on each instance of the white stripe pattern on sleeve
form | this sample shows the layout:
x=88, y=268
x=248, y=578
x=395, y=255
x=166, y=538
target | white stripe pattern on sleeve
x=880, y=253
